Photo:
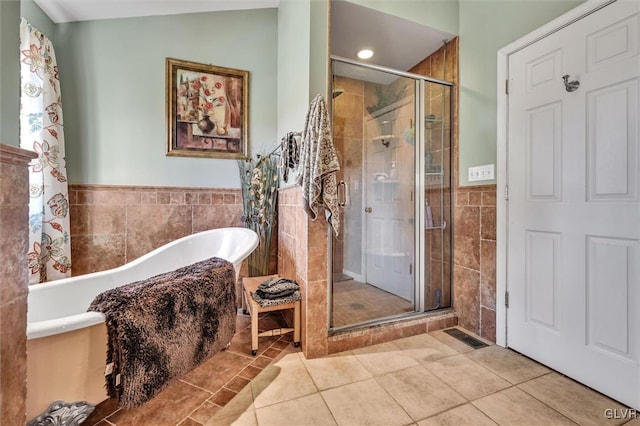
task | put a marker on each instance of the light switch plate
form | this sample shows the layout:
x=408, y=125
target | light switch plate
x=485, y=172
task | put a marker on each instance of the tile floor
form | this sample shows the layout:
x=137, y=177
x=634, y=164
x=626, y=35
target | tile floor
x=428, y=379
x=355, y=302
x=195, y=398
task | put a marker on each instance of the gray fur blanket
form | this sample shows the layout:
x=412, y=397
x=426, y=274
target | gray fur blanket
x=162, y=327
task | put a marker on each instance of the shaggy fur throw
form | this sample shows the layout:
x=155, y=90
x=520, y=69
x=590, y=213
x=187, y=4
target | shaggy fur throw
x=162, y=327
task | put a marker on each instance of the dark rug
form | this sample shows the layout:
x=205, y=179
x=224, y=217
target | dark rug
x=164, y=326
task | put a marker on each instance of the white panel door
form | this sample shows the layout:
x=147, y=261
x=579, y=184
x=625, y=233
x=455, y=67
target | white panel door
x=573, y=211
x=388, y=215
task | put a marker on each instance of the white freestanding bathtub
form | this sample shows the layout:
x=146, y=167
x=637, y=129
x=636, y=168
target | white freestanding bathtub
x=67, y=346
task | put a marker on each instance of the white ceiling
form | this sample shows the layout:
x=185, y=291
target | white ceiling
x=87, y=10
x=397, y=43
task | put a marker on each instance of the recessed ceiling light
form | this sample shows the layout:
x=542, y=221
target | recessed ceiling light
x=365, y=53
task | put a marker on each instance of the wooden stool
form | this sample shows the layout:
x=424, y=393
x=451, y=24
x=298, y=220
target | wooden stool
x=250, y=285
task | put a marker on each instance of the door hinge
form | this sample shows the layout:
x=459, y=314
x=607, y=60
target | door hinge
x=410, y=268
x=506, y=87
x=506, y=299
x=506, y=192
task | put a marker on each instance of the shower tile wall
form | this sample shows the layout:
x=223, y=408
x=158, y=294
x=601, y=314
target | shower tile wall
x=474, y=224
x=441, y=64
x=14, y=282
x=302, y=253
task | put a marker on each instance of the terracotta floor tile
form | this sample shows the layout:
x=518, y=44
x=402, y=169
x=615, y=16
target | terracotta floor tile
x=217, y=370
x=355, y=302
x=169, y=407
x=241, y=343
x=250, y=372
x=237, y=383
x=206, y=411
x=280, y=344
x=272, y=352
x=223, y=396
x=102, y=411
x=234, y=411
x=189, y=422
x=261, y=362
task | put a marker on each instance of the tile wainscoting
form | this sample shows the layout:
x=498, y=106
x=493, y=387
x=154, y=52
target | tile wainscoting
x=14, y=282
x=474, y=259
x=113, y=225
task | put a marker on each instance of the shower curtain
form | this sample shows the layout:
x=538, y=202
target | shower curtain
x=41, y=130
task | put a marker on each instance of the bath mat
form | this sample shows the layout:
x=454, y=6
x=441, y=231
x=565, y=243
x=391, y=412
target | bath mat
x=465, y=338
x=162, y=327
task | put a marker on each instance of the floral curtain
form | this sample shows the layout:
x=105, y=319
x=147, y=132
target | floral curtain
x=41, y=130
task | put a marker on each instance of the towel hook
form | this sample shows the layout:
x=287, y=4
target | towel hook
x=570, y=86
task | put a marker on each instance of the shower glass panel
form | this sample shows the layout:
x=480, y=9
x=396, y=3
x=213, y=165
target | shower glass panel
x=392, y=133
x=437, y=196
x=373, y=259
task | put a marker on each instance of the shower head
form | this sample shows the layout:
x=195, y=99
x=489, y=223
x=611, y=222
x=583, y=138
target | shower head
x=337, y=92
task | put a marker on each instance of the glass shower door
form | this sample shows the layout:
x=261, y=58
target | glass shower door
x=373, y=116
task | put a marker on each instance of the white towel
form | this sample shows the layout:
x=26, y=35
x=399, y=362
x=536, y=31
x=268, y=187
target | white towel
x=319, y=165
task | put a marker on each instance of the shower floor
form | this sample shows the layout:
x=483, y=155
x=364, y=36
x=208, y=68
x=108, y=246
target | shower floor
x=355, y=302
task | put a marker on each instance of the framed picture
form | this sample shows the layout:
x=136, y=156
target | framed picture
x=207, y=110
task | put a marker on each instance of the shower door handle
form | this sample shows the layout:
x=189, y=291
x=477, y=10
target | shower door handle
x=368, y=209
x=343, y=196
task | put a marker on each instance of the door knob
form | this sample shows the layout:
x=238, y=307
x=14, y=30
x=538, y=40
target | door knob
x=368, y=209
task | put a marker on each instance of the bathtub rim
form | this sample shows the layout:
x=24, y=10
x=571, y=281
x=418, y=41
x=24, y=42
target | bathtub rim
x=45, y=328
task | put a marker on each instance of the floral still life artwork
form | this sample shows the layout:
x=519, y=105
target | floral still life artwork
x=206, y=110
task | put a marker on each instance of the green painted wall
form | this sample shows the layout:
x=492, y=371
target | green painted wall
x=32, y=13
x=438, y=14
x=486, y=27
x=319, y=59
x=294, y=18
x=9, y=72
x=113, y=82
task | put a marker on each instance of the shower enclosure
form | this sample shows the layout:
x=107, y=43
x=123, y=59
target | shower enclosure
x=392, y=132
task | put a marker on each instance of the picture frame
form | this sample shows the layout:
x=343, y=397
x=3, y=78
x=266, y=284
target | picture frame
x=207, y=110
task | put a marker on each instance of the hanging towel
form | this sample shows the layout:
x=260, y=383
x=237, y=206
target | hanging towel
x=289, y=154
x=319, y=164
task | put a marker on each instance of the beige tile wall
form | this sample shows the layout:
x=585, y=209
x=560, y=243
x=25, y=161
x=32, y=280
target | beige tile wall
x=112, y=225
x=474, y=223
x=474, y=259
x=14, y=240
